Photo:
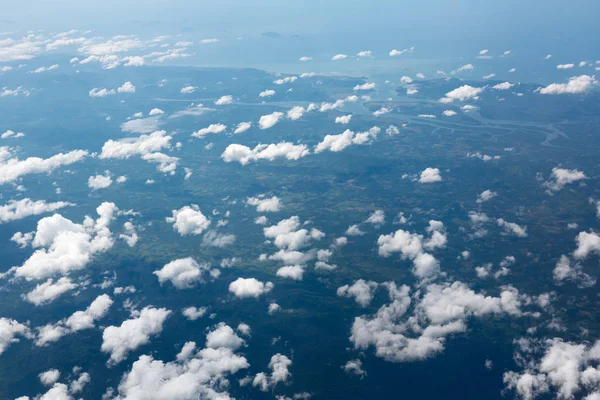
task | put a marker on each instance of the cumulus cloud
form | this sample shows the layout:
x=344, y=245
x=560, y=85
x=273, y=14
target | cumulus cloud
x=287, y=79
x=264, y=204
x=430, y=175
x=339, y=142
x=49, y=291
x=211, y=129
x=146, y=146
x=19, y=209
x=99, y=182
x=362, y=291
x=184, y=273
x=215, y=239
x=364, y=86
x=10, y=331
x=242, y=127
x=511, y=228
x=269, y=120
x=267, y=93
x=576, y=85
x=189, y=220
x=193, y=313
x=344, y=119
x=339, y=57
x=194, y=374
x=244, y=154
x=187, y=89
x=127, y=87
x=503, y=86
x=249, y=287
x=11, y=168
x=485, y=196
x=462, y=93
x=64, y=246
x=279, y=366
x=295, y=272
x=561, y=177
x=133, y=333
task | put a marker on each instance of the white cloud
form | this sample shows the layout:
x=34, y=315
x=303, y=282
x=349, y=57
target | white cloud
x=561, y=177
x=95, y=92
x=430, y=175
x=364, y=53
x=354, y=367
x=156, y=111
x=99, y=182
x=244, y=154
x=339, y=142
x=11, y=134
x=267, y=93
x=242, y=127
x=133, y=333
x=565, y=66
x=576, y=85
x=19, y=209
x=49, y=291
x=353, y=230
x=10, y=329
x=215, y=239
x=503, y=86
x=251, y=287
x=224, y=336
x=262, y=204
x=269, y=120
x=485, y=196
x=210, y=40
x=142, y=125
x=449, y=113
x=339, y=57
x=64, y=246
x=127, y=87
x=305, y=58
x=44, y=69
x=189, y=220
x=344, y=119
x=364, y=86
x=211, y=129
x=468, y=67
x=395, y=52
x=462, y=93
x=193, y=313
x=512, y=228
x=81, y=320
x=362, y=291
x=183, y=273
x=586, y=243
x=193, y=375
x=188, y=89
x=50, y=377
x=294, y=272
x=11, y=168
x=223, y=100
x=279, y=365
x=146, y=146
x=287, y=79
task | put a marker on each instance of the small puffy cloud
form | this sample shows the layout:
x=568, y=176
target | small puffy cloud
x=95, y=92
x=430, y=175
x=485, y=196
x=294, y=272
x=262, y=204
x=561, y=177
x=81, y=320
x=269, y=120
x=188, y=89
x=224, y=336
x=189, y=220
x=10, y=329
x=11, y=134
x=449, y=113
x=19, y=209
x=267, y=93
x=587, y=243
x=99, y=182
x=565, y=66
x=244, y=154
x=133, y=333
x=249, y=287
x=127, y=87
x=11, y=168
x=305, y=58
x=377, y=218
x=394, y=53
x=354, y=367
x=193, y=313
x=279, y=366
x=223, y=100
x=503, y=86
x=50, y=377
x=354, y=230
x=211, y=129
x=362, y=291
x=364, y=53
x=156, y=111
x=287, y=79
x=336, y=143
x=576, y=85
x=183, y=273
x=215, y=239
x=512, y=228
x=344, y=119
x=242, y=127
x=339, y=57
x=468, y=67
x=364, y=86
x=209, y=40
x=462, y=93
x=49, y=291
